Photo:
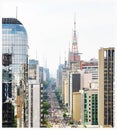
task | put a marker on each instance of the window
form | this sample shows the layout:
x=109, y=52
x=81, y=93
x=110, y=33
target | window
x=105, y=54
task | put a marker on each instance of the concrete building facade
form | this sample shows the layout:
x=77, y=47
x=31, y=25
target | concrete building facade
x=34, y=94
x=59, y=77
x=106, y=86
x=90, y=107
x=75, y=85
x=78, y=110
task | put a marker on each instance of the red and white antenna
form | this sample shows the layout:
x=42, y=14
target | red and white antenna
x=74, y=43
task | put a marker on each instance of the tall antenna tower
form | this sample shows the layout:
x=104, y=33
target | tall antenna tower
x=59, y=59
x=36, y=54
x=46, y=63
x=16, y=12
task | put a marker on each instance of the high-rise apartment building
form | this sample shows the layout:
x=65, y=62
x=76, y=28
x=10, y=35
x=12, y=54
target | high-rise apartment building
x=34, y=94
x=106, y=86
x=78, y=109
x=75, y=85
x=59, y=77
x=90, y=107
x=41, y=69
x=65, y=86
x=14, y=73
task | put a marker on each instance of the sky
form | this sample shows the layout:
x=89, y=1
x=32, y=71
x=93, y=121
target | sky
x=49, y=25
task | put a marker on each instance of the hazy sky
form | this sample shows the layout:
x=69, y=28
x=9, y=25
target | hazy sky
x=49, y=24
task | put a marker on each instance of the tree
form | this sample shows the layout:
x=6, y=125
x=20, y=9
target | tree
x=64, y=115
x=44, y=122
x=15, y=121
x=46, y=105
x=45, y=84
x=45, y=112
x=71, y=123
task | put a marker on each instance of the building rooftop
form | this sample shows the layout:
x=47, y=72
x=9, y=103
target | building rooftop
x=10, y=21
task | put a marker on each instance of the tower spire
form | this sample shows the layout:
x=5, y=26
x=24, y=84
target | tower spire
x=36, y=54
x=74, y=55
x=46, y=63
x=75, y=22
x=16, y=11
x=65, y=55
x=74, y=35
x=74, y=43
x=69, y=47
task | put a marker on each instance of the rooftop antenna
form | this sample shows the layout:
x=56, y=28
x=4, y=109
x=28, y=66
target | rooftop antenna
x=69, y=46
x=65, y=55
x=75, y=21
x=59, y=59
x=36, y=54
x=16, y=11
x=65, y=59
x=46, y=63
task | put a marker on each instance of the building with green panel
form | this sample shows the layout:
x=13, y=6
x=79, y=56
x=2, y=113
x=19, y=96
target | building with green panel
x=90, y=107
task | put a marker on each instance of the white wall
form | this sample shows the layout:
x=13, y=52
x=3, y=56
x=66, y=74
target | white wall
x=87, y=79
x=36, y=106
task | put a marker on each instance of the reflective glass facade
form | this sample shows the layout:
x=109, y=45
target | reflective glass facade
x=14, y=43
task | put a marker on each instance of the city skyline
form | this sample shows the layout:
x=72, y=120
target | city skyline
x=13, y=37
x=41, y=89
x=49, y=25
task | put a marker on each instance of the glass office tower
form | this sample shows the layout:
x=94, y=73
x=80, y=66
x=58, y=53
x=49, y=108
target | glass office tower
x=14, y=74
